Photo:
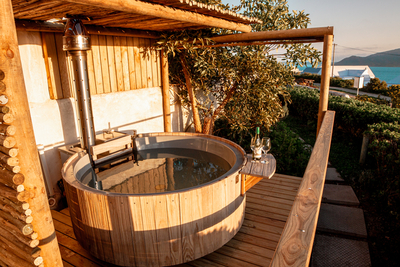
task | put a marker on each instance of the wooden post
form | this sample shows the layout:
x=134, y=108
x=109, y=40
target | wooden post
x=10, y=64
x=325, y=79
x=165, y=92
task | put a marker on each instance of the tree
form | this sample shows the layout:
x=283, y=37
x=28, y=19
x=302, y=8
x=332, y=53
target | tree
x=244, y=84
x=394, y=93
x=376, y=86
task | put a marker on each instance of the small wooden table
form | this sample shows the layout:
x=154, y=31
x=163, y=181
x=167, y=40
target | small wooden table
x=253, y=172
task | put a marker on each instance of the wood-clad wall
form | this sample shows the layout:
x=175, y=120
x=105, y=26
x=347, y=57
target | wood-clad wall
x=115, y=64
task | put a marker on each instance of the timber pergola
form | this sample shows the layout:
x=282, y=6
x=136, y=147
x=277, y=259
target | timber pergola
x=112, y=17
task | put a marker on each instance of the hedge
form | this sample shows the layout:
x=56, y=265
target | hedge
x=384, y=147
x=352, y=115
x=334, y=81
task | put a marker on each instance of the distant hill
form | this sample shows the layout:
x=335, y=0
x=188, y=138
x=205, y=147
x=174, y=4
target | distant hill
x=384, y=59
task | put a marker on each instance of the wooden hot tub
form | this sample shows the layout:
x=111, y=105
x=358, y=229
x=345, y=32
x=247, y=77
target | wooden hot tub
x=162, y=228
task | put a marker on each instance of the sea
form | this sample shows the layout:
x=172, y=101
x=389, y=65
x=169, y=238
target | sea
x=386, y=74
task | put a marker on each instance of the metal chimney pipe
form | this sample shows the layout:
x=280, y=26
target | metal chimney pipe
x=76, y=41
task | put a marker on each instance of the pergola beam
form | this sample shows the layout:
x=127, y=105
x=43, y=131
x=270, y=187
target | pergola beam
x=294, y=34
x=148, y=9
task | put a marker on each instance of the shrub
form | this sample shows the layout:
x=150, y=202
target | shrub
x=352, y=115
x=376, y=86
x=384, y=147
x=334, y=81
x=288, y=150
x=339, y=82
x=374, y=100
x=394, y=93
x=315, y=77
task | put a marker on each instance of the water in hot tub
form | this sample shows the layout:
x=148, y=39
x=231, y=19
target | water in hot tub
x=158, y=170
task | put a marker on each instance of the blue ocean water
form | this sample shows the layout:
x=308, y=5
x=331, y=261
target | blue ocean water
x=386, y=73
x=383, y=73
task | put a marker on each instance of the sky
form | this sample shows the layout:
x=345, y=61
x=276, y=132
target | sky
x=361, y=27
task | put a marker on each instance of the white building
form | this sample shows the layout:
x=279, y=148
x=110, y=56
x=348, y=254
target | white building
x=346, y=72
x=349, y=72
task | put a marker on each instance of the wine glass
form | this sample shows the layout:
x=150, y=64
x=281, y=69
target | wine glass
x=266, y=146
x=255, y=145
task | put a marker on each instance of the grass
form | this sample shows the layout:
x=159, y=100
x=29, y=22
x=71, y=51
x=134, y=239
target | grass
x=383, y=228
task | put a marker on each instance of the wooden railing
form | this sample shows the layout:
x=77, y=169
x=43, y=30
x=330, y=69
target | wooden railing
x=295, y=246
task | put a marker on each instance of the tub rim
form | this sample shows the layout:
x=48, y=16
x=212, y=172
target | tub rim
x=82, y=158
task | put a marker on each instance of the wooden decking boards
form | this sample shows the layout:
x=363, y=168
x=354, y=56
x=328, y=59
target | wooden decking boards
x=267, y=208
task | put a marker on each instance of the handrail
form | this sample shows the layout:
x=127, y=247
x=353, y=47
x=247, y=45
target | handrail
x=296, y=242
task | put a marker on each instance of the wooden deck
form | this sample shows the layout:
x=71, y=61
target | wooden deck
x=268, y=205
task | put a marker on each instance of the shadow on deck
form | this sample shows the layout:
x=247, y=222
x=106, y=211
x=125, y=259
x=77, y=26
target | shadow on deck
x=267, y=208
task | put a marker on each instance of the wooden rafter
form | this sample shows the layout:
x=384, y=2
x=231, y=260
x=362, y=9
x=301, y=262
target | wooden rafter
x=41, y=26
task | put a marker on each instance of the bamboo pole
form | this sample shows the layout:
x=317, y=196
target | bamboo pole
x=325, y=79
x=15, y=244
x=20, y=207
x=161, y=11
x=5, y=159
x=12, y=152
x=7, y=141
x=10, y=64
x=13, y=234
x=165, y=92
x=7, y=129
x=25, y=228
x=21, y=216
x=6, y=118
x=13, y=194
x=4, y=109
x=11, y=259
x=9, y=178
x=14, y=169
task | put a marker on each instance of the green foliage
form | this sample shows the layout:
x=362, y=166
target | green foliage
x=309, y=76
x=384, y=147
x=352, y=115
x=289, y=151
x=339, y=82
x=376, y=86
x=377, y=101
x=394, y=93
x=334, y=81
x=244, y=84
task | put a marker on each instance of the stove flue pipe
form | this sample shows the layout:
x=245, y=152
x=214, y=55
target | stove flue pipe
x=76, y=41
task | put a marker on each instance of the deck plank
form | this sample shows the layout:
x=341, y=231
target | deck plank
x=268, y=205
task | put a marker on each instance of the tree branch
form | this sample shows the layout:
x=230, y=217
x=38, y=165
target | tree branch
x=196, y=117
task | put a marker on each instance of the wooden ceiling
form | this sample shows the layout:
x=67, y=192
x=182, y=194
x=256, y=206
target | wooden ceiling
x=152, y=15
